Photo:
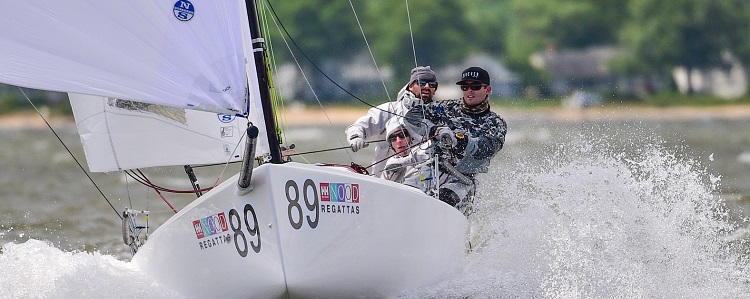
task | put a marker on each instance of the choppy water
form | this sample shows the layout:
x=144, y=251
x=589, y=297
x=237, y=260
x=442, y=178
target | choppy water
x=617, y=209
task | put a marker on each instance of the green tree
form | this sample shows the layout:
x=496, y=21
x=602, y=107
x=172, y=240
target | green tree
x=440, y=32
x=694, y=34
x=328, y=29
x=329, y=33
x=323, y=29
x=489, y=21
x=542, y=24
x=538, y=25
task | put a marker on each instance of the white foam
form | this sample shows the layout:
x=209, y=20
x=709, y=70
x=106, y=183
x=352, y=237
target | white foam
x=36, y=269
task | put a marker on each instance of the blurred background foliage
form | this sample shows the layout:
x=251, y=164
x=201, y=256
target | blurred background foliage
x=660, y=34
x=652, y=37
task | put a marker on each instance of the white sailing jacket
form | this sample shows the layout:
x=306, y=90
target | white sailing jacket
x=372, y=126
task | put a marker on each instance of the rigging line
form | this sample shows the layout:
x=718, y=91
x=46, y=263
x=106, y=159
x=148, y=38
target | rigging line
x=143, y=180
x=221, y=174
x=331, y=149
x=410, y=147
x=146, y=182
x=316, y=66
x=320, y=151
x=280, y=26
x=148, y=203
x=411, y=34
x=127, y=186
x=293, y=152
x=380, y=75
x=269, y=67
x=276, y=97
x=214, y=164
x=159, y=193
x=69, y=152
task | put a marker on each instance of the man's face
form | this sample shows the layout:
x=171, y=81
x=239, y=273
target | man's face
x=400, y=141
x=425, y=89
x=475, y=92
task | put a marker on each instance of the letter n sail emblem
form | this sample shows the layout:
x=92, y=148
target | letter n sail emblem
x=183, y=10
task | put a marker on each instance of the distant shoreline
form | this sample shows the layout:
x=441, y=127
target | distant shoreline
x=31, y=120
x=346, y=116
x=342, y=116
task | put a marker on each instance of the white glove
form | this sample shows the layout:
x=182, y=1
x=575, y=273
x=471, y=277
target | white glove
x=357, y=143
x=446, y=136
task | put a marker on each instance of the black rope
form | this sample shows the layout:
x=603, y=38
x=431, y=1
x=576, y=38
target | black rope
x=316, y=66
x=409, y=148
x=71, y=153
x=295, y=154
x=331, y=149
x=320, y=151
x=215, y=164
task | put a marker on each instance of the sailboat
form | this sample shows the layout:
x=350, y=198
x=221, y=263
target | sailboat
x=170, y=71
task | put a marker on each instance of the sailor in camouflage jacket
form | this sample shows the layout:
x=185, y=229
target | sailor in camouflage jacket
x=479, y=132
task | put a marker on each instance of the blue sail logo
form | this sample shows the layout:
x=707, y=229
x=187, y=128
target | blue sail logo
x=183, y=10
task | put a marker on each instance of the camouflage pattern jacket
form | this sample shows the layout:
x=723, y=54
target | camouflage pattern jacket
x=484, y=132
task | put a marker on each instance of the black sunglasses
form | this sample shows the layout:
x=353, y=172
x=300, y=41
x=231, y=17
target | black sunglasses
x=475, y=86
x=433, y=84
x=402, y=134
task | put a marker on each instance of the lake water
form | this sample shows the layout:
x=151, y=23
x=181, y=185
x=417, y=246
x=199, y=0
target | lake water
x=569, y=209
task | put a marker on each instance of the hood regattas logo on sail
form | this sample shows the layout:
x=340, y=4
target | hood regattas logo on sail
x=183, y=10
x=211, y=225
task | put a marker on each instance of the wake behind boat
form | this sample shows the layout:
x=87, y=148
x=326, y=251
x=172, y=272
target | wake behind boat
x=283, y=229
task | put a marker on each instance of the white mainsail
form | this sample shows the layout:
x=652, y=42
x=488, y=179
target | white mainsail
x=185, y=54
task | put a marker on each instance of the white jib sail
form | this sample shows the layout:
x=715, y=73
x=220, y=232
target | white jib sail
x=186, y=54
x=121, y=134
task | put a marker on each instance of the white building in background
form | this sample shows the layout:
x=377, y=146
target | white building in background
x=285, y=80
x=588, y=69
x=580, y=69
x=725, y=83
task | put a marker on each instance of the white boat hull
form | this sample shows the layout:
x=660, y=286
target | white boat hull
x=289, y=237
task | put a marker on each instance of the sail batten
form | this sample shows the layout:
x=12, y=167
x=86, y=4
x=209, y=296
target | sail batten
x=150, y=51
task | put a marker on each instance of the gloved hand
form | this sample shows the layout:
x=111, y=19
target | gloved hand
x=357, y=143
x=446, y=136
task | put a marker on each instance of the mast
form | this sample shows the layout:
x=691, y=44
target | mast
x=259, y=54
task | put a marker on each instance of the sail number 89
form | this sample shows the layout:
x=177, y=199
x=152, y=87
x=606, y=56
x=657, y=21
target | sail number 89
x=296, y=213
x=254, y=231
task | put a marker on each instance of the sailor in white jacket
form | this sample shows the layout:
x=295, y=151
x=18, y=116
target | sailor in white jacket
x=408, y=155
x=372, y=126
